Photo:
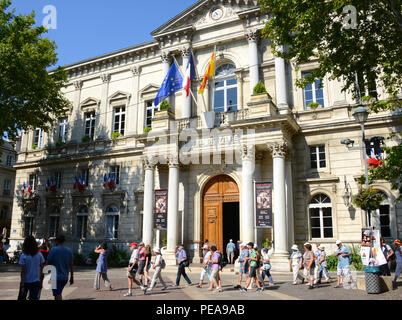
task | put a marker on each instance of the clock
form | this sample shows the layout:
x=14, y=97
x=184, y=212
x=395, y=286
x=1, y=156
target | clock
x=217, y=13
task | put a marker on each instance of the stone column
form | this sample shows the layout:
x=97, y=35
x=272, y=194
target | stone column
x=74, y=121
x=280, y=83
x=147, y=225
x=186, y=106
x=101, y=129
x=247, y=194
x=173, y=210
x=281, y=255
x=135, y=127
x=239, y=78
x=252, y=38
x=289, y=201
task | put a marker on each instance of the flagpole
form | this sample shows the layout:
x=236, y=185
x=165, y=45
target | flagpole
x=181, y=73
x=198, y=79
x=213, y=82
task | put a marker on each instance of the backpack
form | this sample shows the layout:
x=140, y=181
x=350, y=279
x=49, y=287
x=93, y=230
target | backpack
x=163, y=264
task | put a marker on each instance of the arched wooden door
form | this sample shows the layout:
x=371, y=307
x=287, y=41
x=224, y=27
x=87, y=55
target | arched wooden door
x=218, y=190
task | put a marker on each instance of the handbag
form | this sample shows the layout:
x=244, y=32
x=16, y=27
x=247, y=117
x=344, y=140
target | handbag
x=186, y=263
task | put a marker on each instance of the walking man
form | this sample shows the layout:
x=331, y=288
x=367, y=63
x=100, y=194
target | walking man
x=206, y=265
x=132, y=268
x=181, y=260
x=243, y=269
x=158, y=265
x=253, y=268
x=343, y=269
x=61, y=258
x=230, y=248
x=141, y=264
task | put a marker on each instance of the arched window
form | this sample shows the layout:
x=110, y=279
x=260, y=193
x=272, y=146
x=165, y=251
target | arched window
x=381, y=217
x=225, y=94
x=82, y=222
x=54, y=219
x=112, y=222
x=320, y=209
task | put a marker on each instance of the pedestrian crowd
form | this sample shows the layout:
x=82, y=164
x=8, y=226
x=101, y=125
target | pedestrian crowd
x=254, y=266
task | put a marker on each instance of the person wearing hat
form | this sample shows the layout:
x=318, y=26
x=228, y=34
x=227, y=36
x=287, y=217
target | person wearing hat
x=181, y=270
x=157, y=265
x=296, y=263
x=206, y=265
x=343, y=268
x=323, y=265
x=398, y=257
x=253, y=268
x=132, y=268
x=230, y=248
x=243, y=269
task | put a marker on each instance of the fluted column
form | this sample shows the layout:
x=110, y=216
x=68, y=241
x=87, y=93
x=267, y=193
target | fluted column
x=74, y=134
x=186, y=106
x=247, y=192
x=280, y=81
x=102, y=123
x=134, y=126
x=147, y=225
x=289, y=201
x=173, y=199
x=252, y=38
x=239, y=79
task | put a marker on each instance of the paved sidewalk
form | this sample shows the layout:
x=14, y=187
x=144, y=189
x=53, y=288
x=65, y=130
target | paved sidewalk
x=82, y=289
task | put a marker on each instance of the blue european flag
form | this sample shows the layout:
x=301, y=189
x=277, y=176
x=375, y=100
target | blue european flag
x=172, y=83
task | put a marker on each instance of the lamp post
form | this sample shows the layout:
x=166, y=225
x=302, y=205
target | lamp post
x=361, y=114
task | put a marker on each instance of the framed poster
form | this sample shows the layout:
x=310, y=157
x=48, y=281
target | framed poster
x=263, y=204
x=160, y=215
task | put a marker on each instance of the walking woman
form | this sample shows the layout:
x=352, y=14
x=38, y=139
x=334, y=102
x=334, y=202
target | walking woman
x=158, y=265
x=101, y=267
x=32, y=263
x=266, y=267
x=309, y=264
x=148, y=263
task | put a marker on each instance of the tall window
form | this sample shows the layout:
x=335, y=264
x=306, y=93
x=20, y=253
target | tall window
x=381, y=217
x=225, y=89
x=9, y=161
x=28, y=225
x=90, y=124
x=82, y=222
x=38, y=138
x=33, y=181
x=119, y=119
x=7, y=187
x=4, y=213
x=115, y=173
x=112, y=222
x=57, y=176
x=54, y=219
x=84, y=174
x=313, y=92
x=320, y=210
x=150, y=112
x=63, y=129
x=317, y=157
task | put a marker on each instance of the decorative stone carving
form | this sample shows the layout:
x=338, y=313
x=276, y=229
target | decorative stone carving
x=277, y=149
x=185, y=51
x=148, y=163
x=136, y=70
x=165, y=56
x=173, y=160
x=248, y=152
x=105, y=77
x=78, y=84
x=252, y=35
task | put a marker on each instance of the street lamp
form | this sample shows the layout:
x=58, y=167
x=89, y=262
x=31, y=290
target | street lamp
x=361, y=114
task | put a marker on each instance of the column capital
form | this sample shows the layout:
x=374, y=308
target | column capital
x=78, y=84
x=248, y=152
x=252, y=35
x=185, y=51
x=105, y=77
x=278, y=149
x=173, y=161
x=165, y=56
x=136, y=70
x=148, y=164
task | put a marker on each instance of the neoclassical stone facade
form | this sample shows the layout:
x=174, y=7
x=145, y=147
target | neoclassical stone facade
x=209, y=174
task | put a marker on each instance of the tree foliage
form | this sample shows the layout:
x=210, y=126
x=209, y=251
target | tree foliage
x=30, y=96
x=326, y=31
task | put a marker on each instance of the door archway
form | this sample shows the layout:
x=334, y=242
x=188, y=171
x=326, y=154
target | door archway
x=220, y=207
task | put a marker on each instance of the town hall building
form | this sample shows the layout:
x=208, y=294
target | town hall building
x=98, y=174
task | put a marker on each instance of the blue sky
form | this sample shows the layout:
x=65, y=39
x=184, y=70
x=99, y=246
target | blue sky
x=87, y=28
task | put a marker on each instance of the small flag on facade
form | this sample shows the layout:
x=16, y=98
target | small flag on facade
x=190, y=74
x=208, y=74
x=172, y=83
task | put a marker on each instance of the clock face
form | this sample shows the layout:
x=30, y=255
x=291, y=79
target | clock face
x=217, y=14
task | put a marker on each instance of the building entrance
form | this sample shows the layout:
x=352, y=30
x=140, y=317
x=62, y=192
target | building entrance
x=221, y=212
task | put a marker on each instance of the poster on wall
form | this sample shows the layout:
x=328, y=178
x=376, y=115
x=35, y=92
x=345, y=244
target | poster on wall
x=160, y=215
x=263, y=205
x=365, y=255
x=366, y=237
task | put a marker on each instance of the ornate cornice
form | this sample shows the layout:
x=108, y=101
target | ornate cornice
x=278, y=149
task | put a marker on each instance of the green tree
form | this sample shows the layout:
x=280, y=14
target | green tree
x=30, y=96
x=349, y=39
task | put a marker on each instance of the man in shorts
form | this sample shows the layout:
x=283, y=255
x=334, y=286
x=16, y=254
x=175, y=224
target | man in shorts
x=253, y=268
x=61, y=258
x=132, y=268
x=141, y=264
x=242, y=257
x=343, y=269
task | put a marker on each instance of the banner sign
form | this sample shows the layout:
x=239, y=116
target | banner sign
x=263, y=205
x=160, y=216
x=370, y=250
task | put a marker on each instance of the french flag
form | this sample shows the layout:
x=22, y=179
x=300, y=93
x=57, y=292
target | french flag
x=29, y=190
x=111, y=181
x=47, y=185
x=23, y=188
x=189, y=74
x=53, y=184
x=75, y=183
x=104, y=180
x=81, y=184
